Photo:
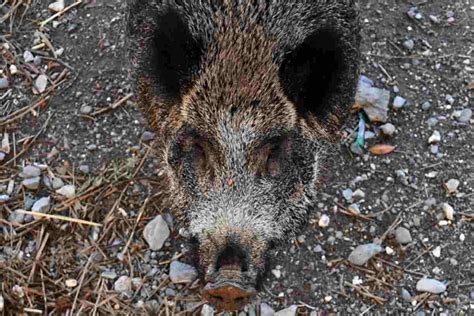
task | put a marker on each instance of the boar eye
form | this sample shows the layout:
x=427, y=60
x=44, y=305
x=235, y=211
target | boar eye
x=269, y=157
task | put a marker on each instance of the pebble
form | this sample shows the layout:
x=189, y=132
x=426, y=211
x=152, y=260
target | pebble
x=431, y=286
x=266, y=310
x=434, y=149
x=68, y=191
x=354, y=208
x=57, y=183
x=123, y=284
x=432, y=121
x=86, y=109
x=276, y=273
x=450, y=99
x=71, y=283
x=2, y=303
x=409, y=44
x=148, y=136
x=465, y=116
x=358, y=194
x=111, y=275
x=290, y=311
x=388, y=129
x=437, y=252
x=402, y=235
x=4, y=198
x=406, y=295
x=30, y=172
x=362, y=253
x=4, y=83
x=40, y=83
x=207, y=310
x=42, y=205
x=91, y=147
x=31, y=183
x=182, y=272
x=2, y=156
x=156, y=233
x=448, y=211
x=16, y=217
x=426, y=106
x=369, y=135
x=84, y=169
x=56, y=6
x=452, y=186
x=398, y=102
x=356, y=149
x=434, y=138
x=375, y=102
x=28, y=56
x=324, y=221
x=347, y=194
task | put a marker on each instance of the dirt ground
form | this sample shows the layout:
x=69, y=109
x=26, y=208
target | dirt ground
x=86, y=130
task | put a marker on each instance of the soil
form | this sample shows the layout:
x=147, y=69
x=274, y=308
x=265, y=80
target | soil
x=407, y=184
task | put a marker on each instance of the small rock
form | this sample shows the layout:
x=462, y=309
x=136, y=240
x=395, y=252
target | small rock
x=42, y=205
x=57, y=6
x=448, y=211
x=30, y=172
x=434, y=19
x=356, y=149
x=406, y=295
x=266, y=310
x=31, y=183
x=207, y=310
x=452, y=186
x=389, y=250
x=434, y=138
x=358, y=194
x=92, y=147
x=398, y=102
x=156, y=232
x=324, y=221
x=437, y=252
x=16, y=217
x=374, y=101
x=123, y=284
x=369, y=135
x=426, y=106
x=402, y=235
x=362, y=253
x=354, y=208
x=434, y=149
x=450, y=99
x=4, y=198
x=409, y=44
x=290, y=311
x=57, y=183
x=465, y=116
x=68, y=191
x=40, y=83
x=388, y=129
x=276, y=273
x=111, y=275
x=84, y=169
x=182, y=273
x=71, y=283
x=28, y=56
x=430, y=286
x=4, y=83
x=2, y=303
x=86, y=109
x=347, y=194
x=148, y=136
x=432, y=121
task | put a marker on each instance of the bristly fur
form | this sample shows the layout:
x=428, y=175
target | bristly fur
x=244, y=95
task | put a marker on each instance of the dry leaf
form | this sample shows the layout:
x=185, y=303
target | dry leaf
x=381, y=149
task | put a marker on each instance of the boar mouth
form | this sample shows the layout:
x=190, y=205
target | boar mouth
x=228, y=295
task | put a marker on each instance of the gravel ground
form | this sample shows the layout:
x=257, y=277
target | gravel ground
x=412, y=206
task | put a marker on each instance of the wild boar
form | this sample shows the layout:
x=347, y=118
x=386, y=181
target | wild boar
x=244, y=96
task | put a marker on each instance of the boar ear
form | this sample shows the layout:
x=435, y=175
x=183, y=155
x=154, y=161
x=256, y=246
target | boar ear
x=165, y=52
x=319, y=75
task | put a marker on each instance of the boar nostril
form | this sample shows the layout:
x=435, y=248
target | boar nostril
x=234, y=256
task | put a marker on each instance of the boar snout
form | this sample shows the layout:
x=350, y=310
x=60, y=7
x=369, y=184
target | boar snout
x=228, y=288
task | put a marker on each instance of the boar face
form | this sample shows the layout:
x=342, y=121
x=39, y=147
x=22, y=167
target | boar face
x=243, y=102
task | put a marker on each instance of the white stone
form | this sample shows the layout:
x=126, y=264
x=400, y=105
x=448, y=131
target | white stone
x=437, y=252
x=452, y=186
x=276, y=273
x=207, y=310
x=40, y=83
x=266, y=310
x=324, y=221
x=434, y=138
x=182, y=272
x=448, y=211
x=71, y=283
x=30, y=172
x=403, y=236
x=430, y=286
x=388, y=129
x=389, y=250
x=156, y=232
x=68, y=191
x=2, y=303
x=123, y=284
x=362, y=253
x=28, y=56
x=16, y=217
x=42, y=205
x=31, y=183
x=57, y=6
x=290, y=311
